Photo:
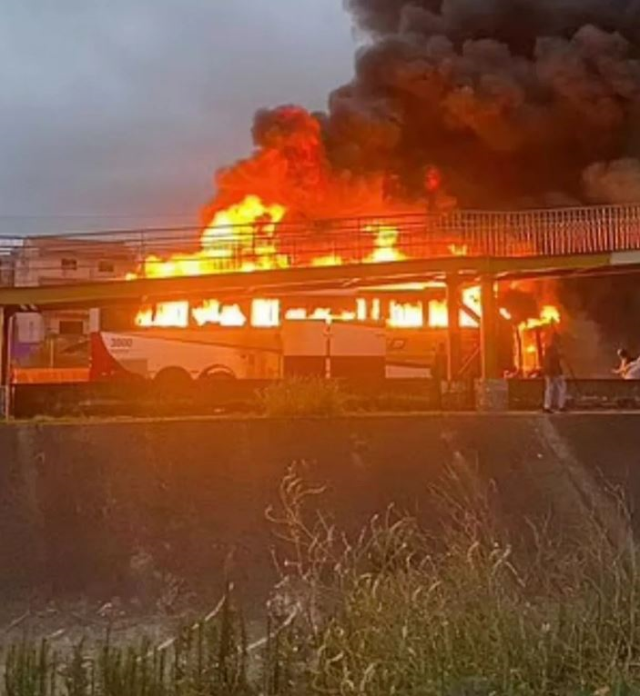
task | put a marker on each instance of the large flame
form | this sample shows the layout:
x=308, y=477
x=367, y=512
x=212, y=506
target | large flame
x=438, y=312
x=549, y=315
x=242, y=237
x=268, y=313
x=409, y=315
x=528, y=332
x=247, y=237
x=214, y=312
x=165, y=315
x=385, y=244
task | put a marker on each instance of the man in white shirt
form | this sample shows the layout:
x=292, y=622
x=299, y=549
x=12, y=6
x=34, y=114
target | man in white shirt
x=633, y=370
x=629, y=368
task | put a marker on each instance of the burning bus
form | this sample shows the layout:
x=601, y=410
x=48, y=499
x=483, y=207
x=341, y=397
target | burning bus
x=375, y=334
x=382, y=332
x=388, y=331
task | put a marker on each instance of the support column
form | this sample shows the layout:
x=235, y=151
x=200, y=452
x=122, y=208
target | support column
x=5, y=368
x=488, y=330
x=491, y=391
x=454, y=339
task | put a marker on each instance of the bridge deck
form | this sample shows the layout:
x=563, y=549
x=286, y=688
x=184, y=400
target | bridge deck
x=302, y=279
x=354, y=252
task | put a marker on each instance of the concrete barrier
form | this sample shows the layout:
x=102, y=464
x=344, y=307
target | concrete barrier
x=86, y=507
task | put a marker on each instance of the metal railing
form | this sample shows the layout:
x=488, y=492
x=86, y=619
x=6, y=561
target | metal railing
x=111, y=255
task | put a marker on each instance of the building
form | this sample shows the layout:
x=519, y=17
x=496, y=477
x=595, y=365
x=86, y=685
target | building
x=59, y=339
x=63, y=260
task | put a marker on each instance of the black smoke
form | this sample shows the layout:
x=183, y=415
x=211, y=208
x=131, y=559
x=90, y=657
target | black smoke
x=515, y=102
x=518, y=102
x=512, y=103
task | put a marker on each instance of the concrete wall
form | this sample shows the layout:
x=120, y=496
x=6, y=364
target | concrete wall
x=85, y=506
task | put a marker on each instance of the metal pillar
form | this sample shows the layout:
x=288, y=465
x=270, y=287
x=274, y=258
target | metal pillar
x=454, y=339
x=491, y=391
x=489, y=329
x=5, y=367
x=327, y=349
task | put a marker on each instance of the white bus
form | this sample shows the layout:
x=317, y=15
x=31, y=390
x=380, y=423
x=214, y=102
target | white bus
x=337, y=335
x=303, y=346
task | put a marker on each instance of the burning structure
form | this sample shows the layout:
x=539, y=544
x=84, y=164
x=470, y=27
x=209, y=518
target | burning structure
x=508, y=105
x=503, y=105
x=485, y=105
x=251, y=235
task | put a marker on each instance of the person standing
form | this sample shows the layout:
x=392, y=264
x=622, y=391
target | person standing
x=555, y=392
x=628, y=368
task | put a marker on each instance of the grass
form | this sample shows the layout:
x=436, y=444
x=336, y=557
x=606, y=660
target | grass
x=462, y=608
x=207, y=658
x=315, y=396
x=303, y=396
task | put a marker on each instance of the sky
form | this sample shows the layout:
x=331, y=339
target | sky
x=116, y=113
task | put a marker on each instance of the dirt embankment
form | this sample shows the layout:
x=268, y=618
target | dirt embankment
x=167, y=510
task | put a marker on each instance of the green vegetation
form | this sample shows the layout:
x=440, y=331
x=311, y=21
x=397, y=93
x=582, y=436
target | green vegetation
x=315, y=396
x=207, y=658
x=462, y=608
x=303, y=396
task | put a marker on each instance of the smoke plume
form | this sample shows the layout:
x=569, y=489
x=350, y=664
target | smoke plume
x=492, y=103
x=613, y=182
x=515, y=102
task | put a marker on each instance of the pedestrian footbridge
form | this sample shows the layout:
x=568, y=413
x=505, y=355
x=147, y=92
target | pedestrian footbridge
x=323, y=254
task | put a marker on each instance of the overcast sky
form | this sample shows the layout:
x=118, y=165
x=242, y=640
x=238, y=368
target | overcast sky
x=123, y=108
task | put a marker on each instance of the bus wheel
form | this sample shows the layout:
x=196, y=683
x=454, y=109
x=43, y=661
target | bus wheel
x=217, y=373
x=172, y=381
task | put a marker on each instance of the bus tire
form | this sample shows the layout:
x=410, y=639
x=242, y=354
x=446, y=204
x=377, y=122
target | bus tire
x=217, y=373
x=172, y=382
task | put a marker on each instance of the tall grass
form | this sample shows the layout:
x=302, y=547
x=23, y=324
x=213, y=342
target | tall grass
x=459, y=609
x=303, y=396
x=462, y=609
x=209, y=657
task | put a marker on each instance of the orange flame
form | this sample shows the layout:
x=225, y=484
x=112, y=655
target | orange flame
x=178, y=315
x=439, y=311
x=549, y=315
x=266, y=313
x=385, y=244
x=213, y=312
x=407, y=315
x=458, y=249
x=165, y=314
x=240, y=237
x=245, y=237
x=329, y=260
x=438, y=314
x=529, y=358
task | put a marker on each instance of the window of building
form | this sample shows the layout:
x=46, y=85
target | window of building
x=69, y=264
x=106, y=267
x=71, y=327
